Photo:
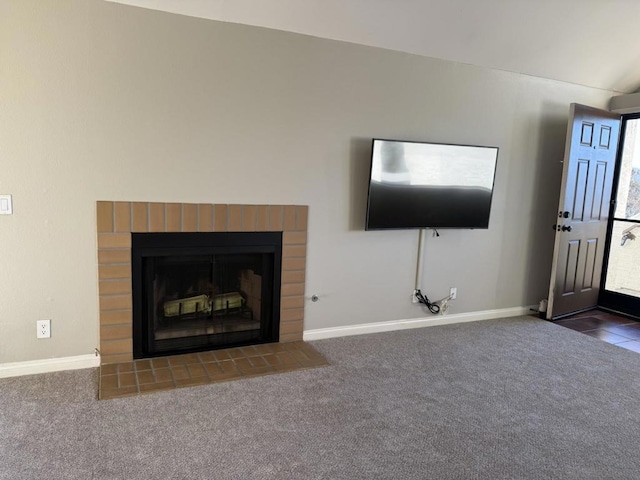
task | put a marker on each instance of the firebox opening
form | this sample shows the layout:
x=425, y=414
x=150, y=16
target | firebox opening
x=203, y=291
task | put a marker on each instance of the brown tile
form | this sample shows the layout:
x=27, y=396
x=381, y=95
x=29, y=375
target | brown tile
x=249, y=214
x=291, y=315
x=276, y=218
x=115, y=302
x=113, y=287
x=291, y=289
x=220, y=218
x=206, y=357
x=196, y=371
x=228, y=366
x=293, y=264
x=114, y=240
x=212, y=368
x=235, y=353
x=285, y=358
x=180, y=372
x=156, y=217
x=243, y=364
x=122, y=255
x=191, y=358
x=173, y=217
x=289, y=218
x=257, y=362
x=264, y=349
x=606, y=336
x=162, y=362
x=191, y=382
x=145, y=376
x=205, y=217
x=222, y=355
x=262, y=222
x=122, y=215
x=302, y=213
x=114, y=332
x=116, y=358
x=189, y=217
x=631, y=331
x=291, y=327
x=294, y=251
x=235, y=218
x=110, y=369
x=116, y=317
x=108, y=381
x=114, y=347
x=126, y=367
x=290, y=337
x=632, y=345
x=585, y=323
x=141, y=365
x=292, y=302
x=140, y=217
x=163, y=374
x=114, y=272
x=272, y=359
x=293, y=276
x=177, y=360
x=294, y=238
x=127, y=379
x=107, y=394
x=157, y=387
x=249, y=351
x=104, y=216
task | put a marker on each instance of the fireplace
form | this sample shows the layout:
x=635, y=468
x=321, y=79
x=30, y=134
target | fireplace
x=118, y=222
x=204, y=291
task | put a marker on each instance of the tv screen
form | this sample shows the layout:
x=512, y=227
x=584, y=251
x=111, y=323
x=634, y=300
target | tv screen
x=430, y=185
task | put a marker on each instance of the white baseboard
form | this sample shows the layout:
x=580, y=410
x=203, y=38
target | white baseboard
x=31, y=367
x=361, y=329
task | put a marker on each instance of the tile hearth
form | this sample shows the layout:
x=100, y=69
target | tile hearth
x=167, y=373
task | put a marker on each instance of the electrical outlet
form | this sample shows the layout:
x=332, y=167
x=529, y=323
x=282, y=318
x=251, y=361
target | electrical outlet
x=453, y=293
x=43, y=329
x=414, y=299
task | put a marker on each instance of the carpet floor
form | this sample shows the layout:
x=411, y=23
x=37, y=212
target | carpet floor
x=517, y=398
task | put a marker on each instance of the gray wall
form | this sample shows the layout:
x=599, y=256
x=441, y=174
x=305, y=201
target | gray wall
x=106, y=102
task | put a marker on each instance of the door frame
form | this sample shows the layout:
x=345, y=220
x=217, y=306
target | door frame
x=607, y=299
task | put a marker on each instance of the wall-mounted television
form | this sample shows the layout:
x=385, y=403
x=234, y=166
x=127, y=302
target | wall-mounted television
x=430, y=185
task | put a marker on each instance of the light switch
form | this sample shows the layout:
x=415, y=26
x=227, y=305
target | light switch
x=6, y=205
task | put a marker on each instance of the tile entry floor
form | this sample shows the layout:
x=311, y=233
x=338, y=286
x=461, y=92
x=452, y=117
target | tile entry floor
x=609, y=327
x=166, y=373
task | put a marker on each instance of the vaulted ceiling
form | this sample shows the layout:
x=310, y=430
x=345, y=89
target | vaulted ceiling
x=587, y=42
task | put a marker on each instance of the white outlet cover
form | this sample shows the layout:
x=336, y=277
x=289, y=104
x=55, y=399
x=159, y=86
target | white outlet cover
x=43, y=329
x=6, y=205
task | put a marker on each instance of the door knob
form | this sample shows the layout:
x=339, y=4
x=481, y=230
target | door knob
x=566, y=214
x=566, y=228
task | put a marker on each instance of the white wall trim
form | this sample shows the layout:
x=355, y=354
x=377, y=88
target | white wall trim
x=361, y=329
x=31, y=367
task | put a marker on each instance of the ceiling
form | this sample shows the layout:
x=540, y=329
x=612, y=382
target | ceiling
x=586, y=42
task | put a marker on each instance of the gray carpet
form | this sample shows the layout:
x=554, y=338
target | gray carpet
x=517, y=398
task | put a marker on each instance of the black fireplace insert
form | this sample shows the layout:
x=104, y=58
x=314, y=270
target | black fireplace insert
x=204, y=291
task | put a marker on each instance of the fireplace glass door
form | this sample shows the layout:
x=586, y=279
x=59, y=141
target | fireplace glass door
x=196, y=292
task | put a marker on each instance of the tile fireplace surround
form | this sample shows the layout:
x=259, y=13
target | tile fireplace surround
x=117, y=220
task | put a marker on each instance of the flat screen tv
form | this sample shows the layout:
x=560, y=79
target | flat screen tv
x=430, y=185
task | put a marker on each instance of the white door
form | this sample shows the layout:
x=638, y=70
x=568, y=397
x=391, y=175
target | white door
x=583, y=210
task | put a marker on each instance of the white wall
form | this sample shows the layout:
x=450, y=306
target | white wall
x=106, y=102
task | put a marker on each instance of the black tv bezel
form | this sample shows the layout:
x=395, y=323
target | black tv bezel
x=439, y=227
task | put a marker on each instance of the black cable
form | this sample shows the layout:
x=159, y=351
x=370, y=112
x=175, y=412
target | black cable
x=433, y=307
